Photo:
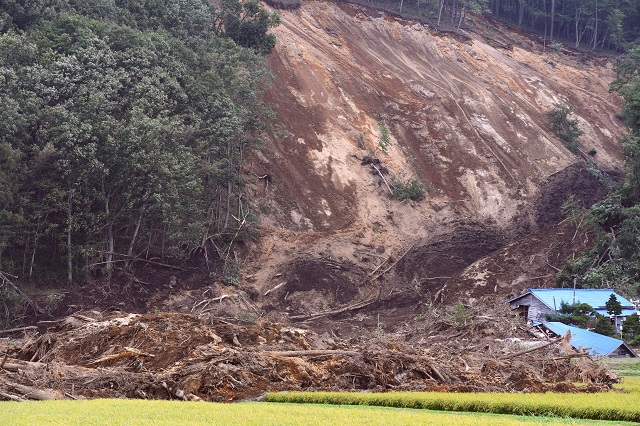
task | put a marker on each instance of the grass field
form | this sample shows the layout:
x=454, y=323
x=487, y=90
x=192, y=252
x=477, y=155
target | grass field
x=111, y=412
x=623, y=366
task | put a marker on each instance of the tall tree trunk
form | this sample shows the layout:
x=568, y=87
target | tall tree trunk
x=69, y=251
x=544, y=9
x=134, y=237
x=109, y=230
x=461, y=16
x=401, y=1
x=454, y=5
x=520, y=12
x=228, y=205
x=33, y=254
x=440, y=7
x=110, y=247
x=595, y=30
x=576, y=20
x=553, y=12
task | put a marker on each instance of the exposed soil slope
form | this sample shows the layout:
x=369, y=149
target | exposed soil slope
x=467, y=114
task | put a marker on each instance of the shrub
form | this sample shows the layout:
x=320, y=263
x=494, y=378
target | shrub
x=564, y=127
x=385, y=140
x=403, y=189
x=461, y=316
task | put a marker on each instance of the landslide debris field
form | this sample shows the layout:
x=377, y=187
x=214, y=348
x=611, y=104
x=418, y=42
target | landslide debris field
x=346, y=288
x=179, y=356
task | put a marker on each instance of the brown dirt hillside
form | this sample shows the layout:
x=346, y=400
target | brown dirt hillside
x=467, y=115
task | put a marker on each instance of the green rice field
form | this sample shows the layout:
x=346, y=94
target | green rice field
x=615, y=406
x=344, y=409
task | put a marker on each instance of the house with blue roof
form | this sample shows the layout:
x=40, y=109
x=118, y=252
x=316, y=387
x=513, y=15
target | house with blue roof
x=592, y=343
x=535, y=303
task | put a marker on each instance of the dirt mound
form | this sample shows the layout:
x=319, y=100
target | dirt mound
x=176, y=356
x=575, y=180
x=314, y=285
x=433, y=263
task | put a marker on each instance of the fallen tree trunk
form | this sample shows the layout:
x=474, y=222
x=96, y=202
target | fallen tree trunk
x=33, y=304
x=128, y=352
x=313, y=353
x=15, y=330
x=30, y=392
x=353, y=307
x=566, y=337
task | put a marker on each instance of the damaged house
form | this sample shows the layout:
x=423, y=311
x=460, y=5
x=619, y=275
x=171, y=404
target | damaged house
x=535, y=303
x=594, y=344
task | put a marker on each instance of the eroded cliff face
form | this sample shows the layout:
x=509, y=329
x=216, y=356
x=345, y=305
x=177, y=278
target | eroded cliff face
x=467, y=117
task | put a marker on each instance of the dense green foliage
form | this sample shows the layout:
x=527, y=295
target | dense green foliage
x=610, y=24
x=603, y=326
x=613, y=305
x=586, y=24
x=614, y=261
x=384, y=140
x=631, y=329
x=403, y=188
x=578, y=314
x=123, y=129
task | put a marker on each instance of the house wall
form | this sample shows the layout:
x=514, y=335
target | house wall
x=537, y=309
x=621, y=352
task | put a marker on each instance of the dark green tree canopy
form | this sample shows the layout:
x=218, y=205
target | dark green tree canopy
x=613, y=305
x=614, y=261
x=123, y=130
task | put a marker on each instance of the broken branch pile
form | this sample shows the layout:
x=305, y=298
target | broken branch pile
x=180, y=356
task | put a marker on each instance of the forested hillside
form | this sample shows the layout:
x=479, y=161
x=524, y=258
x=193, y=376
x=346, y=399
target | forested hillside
x=588, y=24
x=614, y=261
x=123, y=129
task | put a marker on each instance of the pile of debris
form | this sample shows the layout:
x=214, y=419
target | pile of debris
x=181, y=356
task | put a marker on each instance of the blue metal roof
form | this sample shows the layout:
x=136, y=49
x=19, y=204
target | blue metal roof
x=598, y=344
x=625, y=312
x=597, y=298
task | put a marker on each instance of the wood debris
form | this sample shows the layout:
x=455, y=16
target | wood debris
x=186, y=357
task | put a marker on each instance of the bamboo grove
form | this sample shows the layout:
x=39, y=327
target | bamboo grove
x=124, y=125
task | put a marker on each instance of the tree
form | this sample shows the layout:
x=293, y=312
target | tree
x=604, y=327
x=631, y=328
x=121, y=141
x=578, y=314
x=247, y=24
x=613, y=305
